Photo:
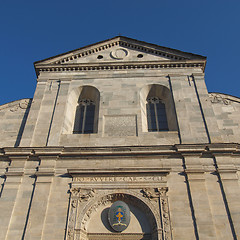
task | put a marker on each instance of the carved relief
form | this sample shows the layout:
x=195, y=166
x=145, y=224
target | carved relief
x=78, y=195
x=152, y=201
x=82, y=194
x=165, y=213
x=22, y=105
x=149, y=193
x=86, y=194
x=217, y=98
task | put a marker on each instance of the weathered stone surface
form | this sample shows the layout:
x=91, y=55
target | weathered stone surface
x=180, y=183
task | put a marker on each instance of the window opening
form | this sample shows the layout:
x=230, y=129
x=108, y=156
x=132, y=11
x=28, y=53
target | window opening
x=84, y=119
x=156, y=115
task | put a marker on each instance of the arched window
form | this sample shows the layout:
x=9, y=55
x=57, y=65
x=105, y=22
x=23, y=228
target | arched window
x=85, y=117
x=157, y=109
x=156, y=115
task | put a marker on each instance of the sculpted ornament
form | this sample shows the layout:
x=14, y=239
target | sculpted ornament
x=217, y=98
x=149, y=193
x=86, y=194
x=82, y=194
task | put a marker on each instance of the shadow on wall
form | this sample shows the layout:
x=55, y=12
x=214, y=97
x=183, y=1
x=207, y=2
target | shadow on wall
x=22, y=126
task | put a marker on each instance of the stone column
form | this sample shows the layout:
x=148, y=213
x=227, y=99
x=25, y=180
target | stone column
x=42, y=192
x=231, y=191
x=9, y=194
x=201, y=206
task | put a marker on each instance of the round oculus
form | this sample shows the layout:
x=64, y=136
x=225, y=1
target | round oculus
x=119, y=216
x=119, y=53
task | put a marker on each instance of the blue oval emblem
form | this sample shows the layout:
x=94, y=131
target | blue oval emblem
x=119, y=216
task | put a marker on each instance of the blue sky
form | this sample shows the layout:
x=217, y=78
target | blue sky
x=34, y=30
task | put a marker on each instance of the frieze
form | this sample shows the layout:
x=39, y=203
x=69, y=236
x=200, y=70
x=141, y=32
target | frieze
x=119, y=179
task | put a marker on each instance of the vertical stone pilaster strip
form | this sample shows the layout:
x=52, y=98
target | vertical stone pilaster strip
x=42, y=193
x=10, y=192
x=201, y=206
x=167, y=231
x=58, y=117
x=23, y=200
x=189, y=116
x=231, y=192
x=207, y=110
x=33, y=115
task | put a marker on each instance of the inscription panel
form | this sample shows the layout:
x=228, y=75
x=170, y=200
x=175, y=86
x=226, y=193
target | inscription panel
x=120, y=179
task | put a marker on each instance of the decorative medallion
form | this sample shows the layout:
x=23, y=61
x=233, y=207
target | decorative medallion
x=119, y=216
x=119, y=53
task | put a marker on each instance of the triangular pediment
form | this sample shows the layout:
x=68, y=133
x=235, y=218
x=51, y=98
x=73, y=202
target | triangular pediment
x=119, y=49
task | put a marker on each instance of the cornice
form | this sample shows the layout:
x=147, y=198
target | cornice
x=122, y=42
x=118, y=171
x=166, y=151
x=110, y=66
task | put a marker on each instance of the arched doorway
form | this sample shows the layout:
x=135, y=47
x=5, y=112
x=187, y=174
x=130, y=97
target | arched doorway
x=93, y=224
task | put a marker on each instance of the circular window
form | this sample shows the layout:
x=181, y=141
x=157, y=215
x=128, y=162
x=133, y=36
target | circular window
x=100, y=56
x=140, y=56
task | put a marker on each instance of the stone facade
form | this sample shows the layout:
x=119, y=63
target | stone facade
x=180, y=183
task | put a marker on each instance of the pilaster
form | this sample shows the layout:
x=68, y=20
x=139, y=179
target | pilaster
x=199, y=195
x=58, y=117
x=231, y=191
x=42, y=192
x=10, y=193
x=46, y=114
x=33, y=115
x=206, y=105
x=188, y=111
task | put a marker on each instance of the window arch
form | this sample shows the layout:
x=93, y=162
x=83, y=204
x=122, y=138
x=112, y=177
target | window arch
x=82, y=111
x=84, y=117
x=156, y=115
x=157, y=109
x=87, y=108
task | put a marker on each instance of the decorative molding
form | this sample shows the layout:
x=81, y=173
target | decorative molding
x=120, y=43
x=167, y=231
x=119, y=66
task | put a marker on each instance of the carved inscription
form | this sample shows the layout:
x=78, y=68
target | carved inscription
x=119, y=179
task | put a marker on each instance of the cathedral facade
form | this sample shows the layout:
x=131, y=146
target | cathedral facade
x=121, y=141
